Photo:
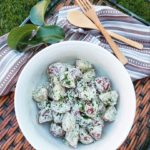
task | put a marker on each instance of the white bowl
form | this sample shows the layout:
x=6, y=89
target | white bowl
x=35, y=71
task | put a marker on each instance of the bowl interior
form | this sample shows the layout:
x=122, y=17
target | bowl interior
x=106, y=64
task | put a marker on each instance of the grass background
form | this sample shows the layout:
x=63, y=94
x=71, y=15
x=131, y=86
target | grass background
x=139, y=7
x=13, y=12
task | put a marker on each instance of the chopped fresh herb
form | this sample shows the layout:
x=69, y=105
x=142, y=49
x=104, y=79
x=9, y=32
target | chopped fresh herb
x=85, y=116
x=68, y=82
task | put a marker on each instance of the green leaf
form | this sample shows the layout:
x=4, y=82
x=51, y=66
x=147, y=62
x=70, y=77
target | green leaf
x=37, y=12
x=18, y=37
x=29, y=35
x=50, y=34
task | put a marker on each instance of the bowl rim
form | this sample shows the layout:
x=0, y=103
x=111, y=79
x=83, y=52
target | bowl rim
x=53, y=46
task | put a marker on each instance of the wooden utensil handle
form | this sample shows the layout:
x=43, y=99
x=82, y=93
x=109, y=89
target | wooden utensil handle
x=125, y=40
x=112, y=44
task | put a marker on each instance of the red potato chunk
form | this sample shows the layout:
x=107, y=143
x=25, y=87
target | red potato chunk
x=91, y=108
x=67, y=80
x=84, y=121
x=56, y=69
x=56, y=130
x=85, y=91
x=43, y=104
x=40, y=94
x=89, y=75
x=72, y=137
x=45, y=115
x=110, y=114
x=109, y=98
x=68, y=122
x=98, y=121
x=84, y=137
x=60, y=106
x=75, y=73
x=57, y=117
x=102, y=84
x=56, y=90
x=83, y=65
x=95, y=131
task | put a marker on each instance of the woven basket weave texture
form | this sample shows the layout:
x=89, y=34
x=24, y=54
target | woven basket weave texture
x=11, y=137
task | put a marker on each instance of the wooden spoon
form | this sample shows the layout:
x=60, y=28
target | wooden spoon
x=78, y=19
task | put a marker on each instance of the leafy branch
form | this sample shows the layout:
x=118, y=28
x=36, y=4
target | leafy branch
x=31, y=35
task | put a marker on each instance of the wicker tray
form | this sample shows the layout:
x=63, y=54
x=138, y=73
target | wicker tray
x=11, y=137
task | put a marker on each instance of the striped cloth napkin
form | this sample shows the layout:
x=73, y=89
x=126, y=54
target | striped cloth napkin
x=12, y=62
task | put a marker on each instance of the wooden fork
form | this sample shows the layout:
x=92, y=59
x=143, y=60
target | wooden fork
x=89, y=11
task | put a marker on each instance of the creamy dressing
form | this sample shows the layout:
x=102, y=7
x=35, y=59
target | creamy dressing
x=76, y=103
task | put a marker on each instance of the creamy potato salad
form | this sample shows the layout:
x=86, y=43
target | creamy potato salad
x=76, y=102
